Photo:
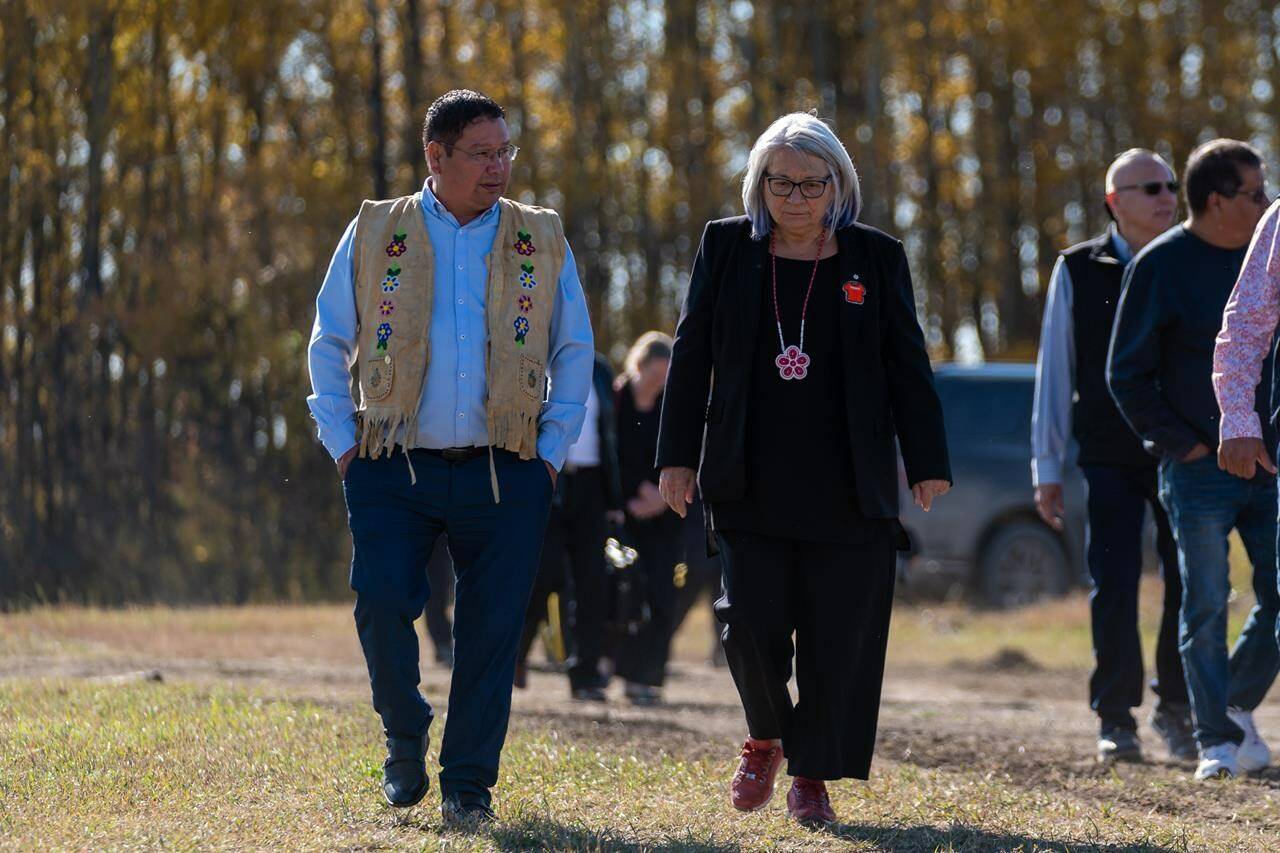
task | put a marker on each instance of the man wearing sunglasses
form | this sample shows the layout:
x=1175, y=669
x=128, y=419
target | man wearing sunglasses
x=1161, y=367
x=1072, y=401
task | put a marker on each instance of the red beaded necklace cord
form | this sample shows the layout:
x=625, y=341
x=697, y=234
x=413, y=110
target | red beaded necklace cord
x=793, y=362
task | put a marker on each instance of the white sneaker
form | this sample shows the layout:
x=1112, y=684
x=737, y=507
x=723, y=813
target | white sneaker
x=1218, y=762
x=1253, y=754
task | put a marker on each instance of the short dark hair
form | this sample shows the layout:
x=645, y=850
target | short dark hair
x=1214, y=167
x=449, y=115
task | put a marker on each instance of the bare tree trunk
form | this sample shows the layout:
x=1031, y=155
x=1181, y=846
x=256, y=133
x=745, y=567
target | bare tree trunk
x=97, y=83
x=377, y=107
x=413, y=155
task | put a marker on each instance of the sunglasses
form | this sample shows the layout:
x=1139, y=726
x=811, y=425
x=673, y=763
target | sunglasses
x=1153, y=187
x=1258, y=196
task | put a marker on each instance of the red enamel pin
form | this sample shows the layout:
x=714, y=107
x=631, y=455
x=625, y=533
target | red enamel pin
x=854, y=292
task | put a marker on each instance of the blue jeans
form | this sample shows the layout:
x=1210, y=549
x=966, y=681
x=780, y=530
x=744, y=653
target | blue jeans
x=1204, y=504
x=495, y=549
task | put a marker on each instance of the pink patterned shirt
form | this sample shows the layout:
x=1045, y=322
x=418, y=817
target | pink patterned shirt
x=1248, y=326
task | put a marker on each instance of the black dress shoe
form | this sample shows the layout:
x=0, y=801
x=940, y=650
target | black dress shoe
x=465, y=812
x=404, y=773
x=590, y=694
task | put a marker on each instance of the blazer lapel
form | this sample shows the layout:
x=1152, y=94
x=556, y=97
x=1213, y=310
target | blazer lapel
x=748, y=268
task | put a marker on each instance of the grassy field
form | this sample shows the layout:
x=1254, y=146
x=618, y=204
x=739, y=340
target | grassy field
x=251, y=728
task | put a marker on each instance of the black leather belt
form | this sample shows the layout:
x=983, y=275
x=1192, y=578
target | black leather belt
x=457, y=454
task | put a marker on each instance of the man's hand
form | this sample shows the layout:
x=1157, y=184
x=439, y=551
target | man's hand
x=676, y=486
x=551, y=469
x=1196, y=453
x=344, y=461
x=925, y=491
x=1050, y=505
x=1242, y=456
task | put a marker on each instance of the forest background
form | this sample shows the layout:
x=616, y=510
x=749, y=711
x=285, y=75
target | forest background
x=174, y=177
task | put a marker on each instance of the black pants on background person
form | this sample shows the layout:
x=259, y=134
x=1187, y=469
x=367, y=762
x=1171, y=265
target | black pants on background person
x=573, y=565
x=836, y=598
x=436, y=615
x=1117, y=502
x=701, y=575
x=642, y=659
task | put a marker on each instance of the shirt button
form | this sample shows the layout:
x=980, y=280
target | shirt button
x=461, y=415
x=460, y=266
x=461, y=302
x=462, y=375
x=462, y=337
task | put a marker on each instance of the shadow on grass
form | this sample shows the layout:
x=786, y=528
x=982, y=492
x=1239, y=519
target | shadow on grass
x=925, y=839
x=525, y=832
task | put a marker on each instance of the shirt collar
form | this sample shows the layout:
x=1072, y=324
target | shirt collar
x=1123, y=253
x=433, y=207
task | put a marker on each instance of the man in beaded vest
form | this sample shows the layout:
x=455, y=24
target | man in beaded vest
x=464, y=317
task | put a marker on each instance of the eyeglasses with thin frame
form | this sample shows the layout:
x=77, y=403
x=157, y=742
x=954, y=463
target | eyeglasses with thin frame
x=1258, y=196
x=504, y=154
x=784, y=187
x=1152, y=187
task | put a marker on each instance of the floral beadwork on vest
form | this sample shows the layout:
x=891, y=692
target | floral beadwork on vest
x=527, y=281
x=396, y=247
x=392, y=281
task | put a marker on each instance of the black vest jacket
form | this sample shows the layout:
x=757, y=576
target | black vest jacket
x=1104, y=436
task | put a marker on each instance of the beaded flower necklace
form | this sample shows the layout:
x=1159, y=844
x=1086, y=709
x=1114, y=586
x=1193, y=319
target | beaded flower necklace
x=793, y=362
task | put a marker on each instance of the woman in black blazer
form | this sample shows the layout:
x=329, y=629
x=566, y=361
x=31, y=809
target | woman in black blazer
x=797, y=359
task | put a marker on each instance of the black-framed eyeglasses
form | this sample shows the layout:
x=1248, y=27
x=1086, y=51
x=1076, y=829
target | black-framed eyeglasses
x=1258, y=196
x=783, y=187
x=1153, y=187
x=504, y=154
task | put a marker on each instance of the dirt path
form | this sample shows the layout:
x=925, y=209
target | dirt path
x=1006, y=720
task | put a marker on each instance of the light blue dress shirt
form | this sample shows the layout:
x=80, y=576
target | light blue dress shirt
x=452, y=413
x=1056, y=373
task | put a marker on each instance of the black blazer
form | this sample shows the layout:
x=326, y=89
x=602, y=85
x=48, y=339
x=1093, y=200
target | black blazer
x=888, y=380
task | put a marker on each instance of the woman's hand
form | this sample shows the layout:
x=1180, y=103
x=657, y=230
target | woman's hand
x=676, y=486
x=924, y=492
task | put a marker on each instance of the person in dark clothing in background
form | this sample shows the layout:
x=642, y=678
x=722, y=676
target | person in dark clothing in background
x=1142, y=198
x=651, y=527
x=436, y=613
x=798, y=358
x=700, y=574
x=588, y=495
x=1160, y=373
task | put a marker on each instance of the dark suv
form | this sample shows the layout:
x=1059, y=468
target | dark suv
x=984, y=540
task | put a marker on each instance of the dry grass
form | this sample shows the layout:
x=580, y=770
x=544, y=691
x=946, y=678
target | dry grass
x=260, y=735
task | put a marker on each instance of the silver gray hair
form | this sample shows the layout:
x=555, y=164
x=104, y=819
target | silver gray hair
x=804, y=133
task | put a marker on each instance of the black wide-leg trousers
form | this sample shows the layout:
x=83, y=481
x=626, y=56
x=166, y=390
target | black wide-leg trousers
x=836, y=599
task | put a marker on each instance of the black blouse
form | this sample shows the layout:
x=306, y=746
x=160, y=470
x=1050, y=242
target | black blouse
x=800, y=480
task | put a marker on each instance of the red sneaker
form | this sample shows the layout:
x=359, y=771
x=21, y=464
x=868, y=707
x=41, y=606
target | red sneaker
x=807, y=801
x=752, y=784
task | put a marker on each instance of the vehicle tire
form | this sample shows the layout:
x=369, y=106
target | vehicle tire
x=1023, y=562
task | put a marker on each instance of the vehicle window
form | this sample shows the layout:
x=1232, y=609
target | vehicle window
x=986, y=407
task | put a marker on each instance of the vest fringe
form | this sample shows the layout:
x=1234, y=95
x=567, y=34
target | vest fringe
x=378, y=432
